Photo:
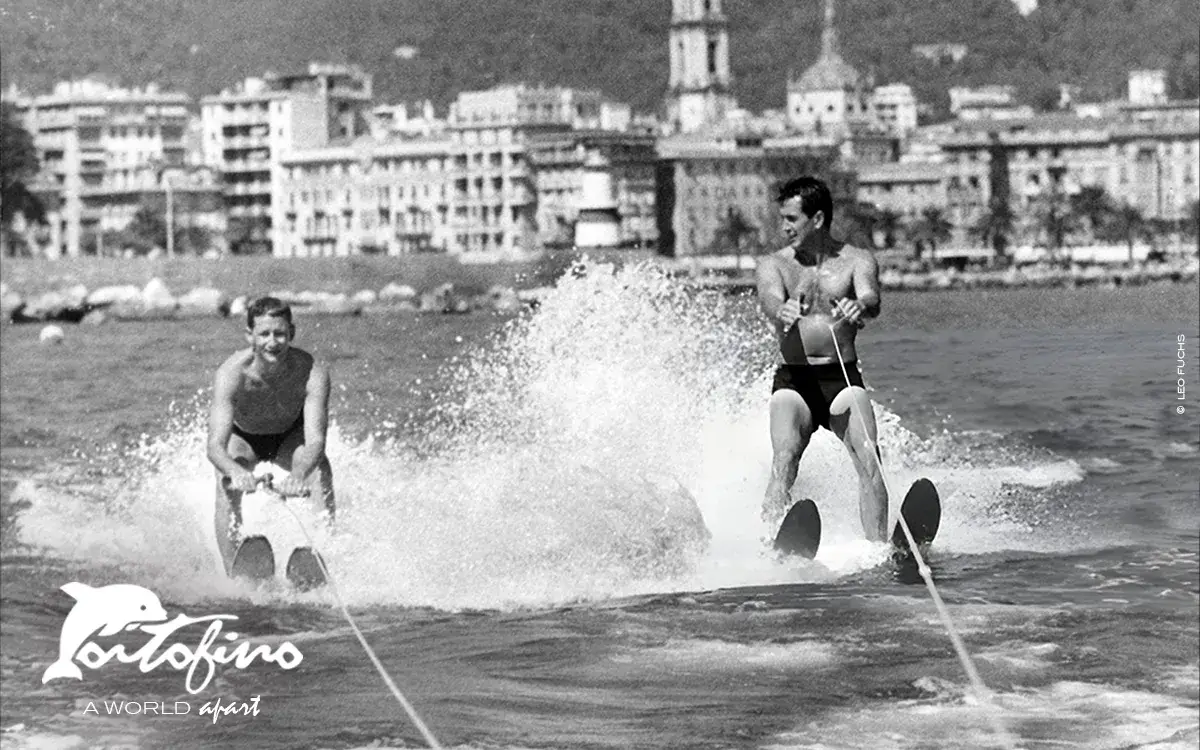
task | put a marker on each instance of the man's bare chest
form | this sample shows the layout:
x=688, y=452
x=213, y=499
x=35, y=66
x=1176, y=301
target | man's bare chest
x=831, y=279
x=258, y=396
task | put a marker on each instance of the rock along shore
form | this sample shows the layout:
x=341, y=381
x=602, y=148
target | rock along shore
x=155, y=301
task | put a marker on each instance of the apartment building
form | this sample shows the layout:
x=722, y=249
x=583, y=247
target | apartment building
x=1142, y=155
x=105, y=151
x=561, y=161
x=894, y=108
x=493, y=194
x=389, y=197
x=250, y=128
x=904, y=189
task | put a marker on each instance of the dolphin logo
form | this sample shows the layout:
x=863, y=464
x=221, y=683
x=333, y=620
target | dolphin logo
x=108, y=609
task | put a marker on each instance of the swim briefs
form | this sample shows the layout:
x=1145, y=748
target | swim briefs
x=266, y=447
x=817, y=385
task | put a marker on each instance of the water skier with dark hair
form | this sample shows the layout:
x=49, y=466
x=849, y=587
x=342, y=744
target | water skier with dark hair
x=817, y=292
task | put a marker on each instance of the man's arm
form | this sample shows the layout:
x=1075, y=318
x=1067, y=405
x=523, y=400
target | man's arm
x=866, y=284
x=220, y=428
x=772, y=296
x=316, y=421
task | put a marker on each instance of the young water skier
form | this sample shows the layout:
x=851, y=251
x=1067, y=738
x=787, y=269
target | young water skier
x=804, y=288
x=270, y=403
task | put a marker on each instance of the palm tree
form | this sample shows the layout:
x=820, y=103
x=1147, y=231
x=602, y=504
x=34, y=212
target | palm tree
x=887, y=223
x=1191, y=221
x=995, y=226
x=1129, y=224
x=736, y=227
x=857, y=223
x=1052, y=210
x=1095, y=207
x=932, y=228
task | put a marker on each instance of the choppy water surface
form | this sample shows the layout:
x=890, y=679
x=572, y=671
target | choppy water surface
x=550, y=530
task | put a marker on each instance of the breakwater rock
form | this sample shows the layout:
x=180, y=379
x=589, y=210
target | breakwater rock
x=155, y=301
x=1040, y=276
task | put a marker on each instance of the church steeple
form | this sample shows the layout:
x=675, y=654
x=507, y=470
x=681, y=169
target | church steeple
x=699, y=53
x=829, y=48
x=830, y=92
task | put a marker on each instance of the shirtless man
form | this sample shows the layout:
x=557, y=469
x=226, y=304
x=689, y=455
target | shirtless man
x=813, y=283
x=270, y=403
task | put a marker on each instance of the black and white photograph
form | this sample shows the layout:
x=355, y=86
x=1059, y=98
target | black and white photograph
x=600, y=374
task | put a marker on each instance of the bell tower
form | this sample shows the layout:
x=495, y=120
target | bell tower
x=699, y=85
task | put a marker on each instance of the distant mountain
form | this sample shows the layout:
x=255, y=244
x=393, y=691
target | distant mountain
x=420, y=49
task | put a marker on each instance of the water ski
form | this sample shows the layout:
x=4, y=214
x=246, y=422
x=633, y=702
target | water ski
x=304, y=569
x=254, y=559
x=922, y=511
x=800, y=532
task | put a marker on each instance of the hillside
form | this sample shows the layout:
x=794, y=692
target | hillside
x=618, y=46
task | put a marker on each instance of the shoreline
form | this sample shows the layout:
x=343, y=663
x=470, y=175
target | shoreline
x=95, y=290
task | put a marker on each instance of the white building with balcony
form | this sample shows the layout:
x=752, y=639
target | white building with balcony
x=249, y=129
x=99, y=146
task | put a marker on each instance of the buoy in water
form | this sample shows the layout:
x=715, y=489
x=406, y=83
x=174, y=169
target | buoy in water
x=51, y=335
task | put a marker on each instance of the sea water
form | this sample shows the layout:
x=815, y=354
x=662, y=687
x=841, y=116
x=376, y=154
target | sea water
x=550, y=528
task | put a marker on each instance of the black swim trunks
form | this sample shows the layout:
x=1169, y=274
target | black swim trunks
x=817, y=385
x=266, y=447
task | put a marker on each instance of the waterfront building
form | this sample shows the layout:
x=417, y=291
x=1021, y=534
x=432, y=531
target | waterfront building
x=366, y=197
x=250, y=128
x=1144, y=155
x=716, y=195
x=905, y=189
x=103, y=151
x=471, y=184
x=699, y=95
x=560, y=166
x=492, y=198
x=495, y=190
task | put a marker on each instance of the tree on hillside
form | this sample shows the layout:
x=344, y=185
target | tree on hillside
x=18, y=169
x=617, y=46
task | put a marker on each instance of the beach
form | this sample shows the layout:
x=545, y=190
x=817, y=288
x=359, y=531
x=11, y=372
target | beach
x=549, y=525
